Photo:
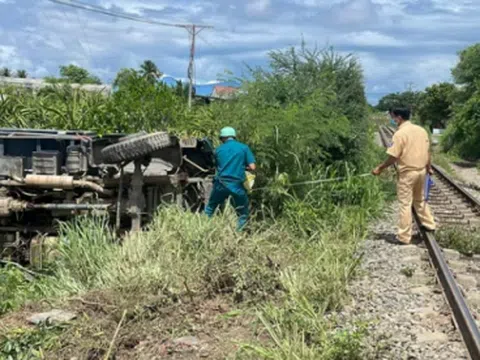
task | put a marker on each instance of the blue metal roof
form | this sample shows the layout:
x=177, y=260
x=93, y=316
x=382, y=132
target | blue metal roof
x=202, y=90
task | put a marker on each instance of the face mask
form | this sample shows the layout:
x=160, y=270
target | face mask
x=392, y=122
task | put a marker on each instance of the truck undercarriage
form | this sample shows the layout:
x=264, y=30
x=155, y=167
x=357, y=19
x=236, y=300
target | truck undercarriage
x=51, y=176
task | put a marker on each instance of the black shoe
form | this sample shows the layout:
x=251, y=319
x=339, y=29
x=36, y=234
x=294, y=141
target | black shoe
x=400, y=243
x=394, y=241
x=427, y=229
x=417, y=239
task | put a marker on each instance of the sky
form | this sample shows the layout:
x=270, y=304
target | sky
x=400, y=43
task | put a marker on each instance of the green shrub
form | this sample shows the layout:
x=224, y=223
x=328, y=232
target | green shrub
x=29, y=343
x=465, y=241
x=463, y=132
x=14, y=288
x=17, y=287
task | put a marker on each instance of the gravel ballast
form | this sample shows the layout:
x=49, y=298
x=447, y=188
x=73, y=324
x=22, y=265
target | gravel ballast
x=397, y=295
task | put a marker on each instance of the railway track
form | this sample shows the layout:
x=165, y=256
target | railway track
x=451, y=205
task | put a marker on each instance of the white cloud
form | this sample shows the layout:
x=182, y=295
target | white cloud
x=456, y=6
x=10, y=58
x=136, y=7
x=432, y=69
x=355, y=12
x=396, y=40
x=255, y=7
x=422, y=71
x=316, y=3
x=370, y=38
x=6, y=53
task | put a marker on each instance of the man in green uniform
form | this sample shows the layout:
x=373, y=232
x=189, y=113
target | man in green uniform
x=233, y=158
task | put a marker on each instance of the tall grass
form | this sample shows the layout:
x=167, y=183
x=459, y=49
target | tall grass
x=186, y=253
x=292, y=269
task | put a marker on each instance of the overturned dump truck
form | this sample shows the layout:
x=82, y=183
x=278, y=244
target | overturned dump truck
x=46, y=176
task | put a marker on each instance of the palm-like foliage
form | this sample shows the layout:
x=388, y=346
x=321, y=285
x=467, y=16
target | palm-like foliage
x=22, y=74
x=5, y=72
x=150, y=71
x=60, y=107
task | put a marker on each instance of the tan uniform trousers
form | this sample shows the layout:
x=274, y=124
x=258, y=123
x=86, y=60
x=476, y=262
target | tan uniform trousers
x=410, y=191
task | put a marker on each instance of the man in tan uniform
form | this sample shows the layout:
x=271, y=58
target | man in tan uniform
x=411, y=151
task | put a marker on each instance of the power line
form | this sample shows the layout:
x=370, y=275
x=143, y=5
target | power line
x=99, y=9
x=193, y=30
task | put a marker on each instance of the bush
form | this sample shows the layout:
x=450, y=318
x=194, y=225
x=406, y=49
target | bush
x=15, y=289
x=463, y=132
x=465, y=241
x=436, y=105
x=29, y=344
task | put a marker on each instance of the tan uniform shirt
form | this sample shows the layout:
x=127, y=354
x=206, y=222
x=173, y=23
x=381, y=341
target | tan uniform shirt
x=410, y=146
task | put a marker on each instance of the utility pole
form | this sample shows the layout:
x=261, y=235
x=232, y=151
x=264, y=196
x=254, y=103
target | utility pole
x=410, y=86
x=193, y=29
x=191, y=66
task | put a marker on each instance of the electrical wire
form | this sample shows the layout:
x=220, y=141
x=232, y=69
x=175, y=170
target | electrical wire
x=98, y=9
x=193, y=29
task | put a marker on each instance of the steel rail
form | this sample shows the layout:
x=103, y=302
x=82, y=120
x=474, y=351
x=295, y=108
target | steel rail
x=461, y=314
x=471, y=199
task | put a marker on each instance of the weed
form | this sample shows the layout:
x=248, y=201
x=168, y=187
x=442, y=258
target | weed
x=29, y=343
x=408, y=271
x=465, y=241
x=443, y=160
x=304, y=334
x=347, y=344
x=16, y=287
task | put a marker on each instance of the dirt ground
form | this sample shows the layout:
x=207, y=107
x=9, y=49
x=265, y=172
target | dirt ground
x=153, y=328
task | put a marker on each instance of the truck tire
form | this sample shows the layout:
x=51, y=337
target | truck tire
x=131, y=136
x=135, y=147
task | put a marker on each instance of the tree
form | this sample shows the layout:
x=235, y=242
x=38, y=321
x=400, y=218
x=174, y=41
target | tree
x=140, y=105
x=22, y=74
x=5, y=72
x=74, y=75
x=78, y=75
x=467, y=71
x=436, y=103
x=181, y=89
x=150, y=71
x=388, y=101
x=407, y=99
x=463, y=132
x=124, y=77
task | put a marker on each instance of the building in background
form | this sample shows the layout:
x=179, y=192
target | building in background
x=221, y=90
x=224, y=92
x=37, y=84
